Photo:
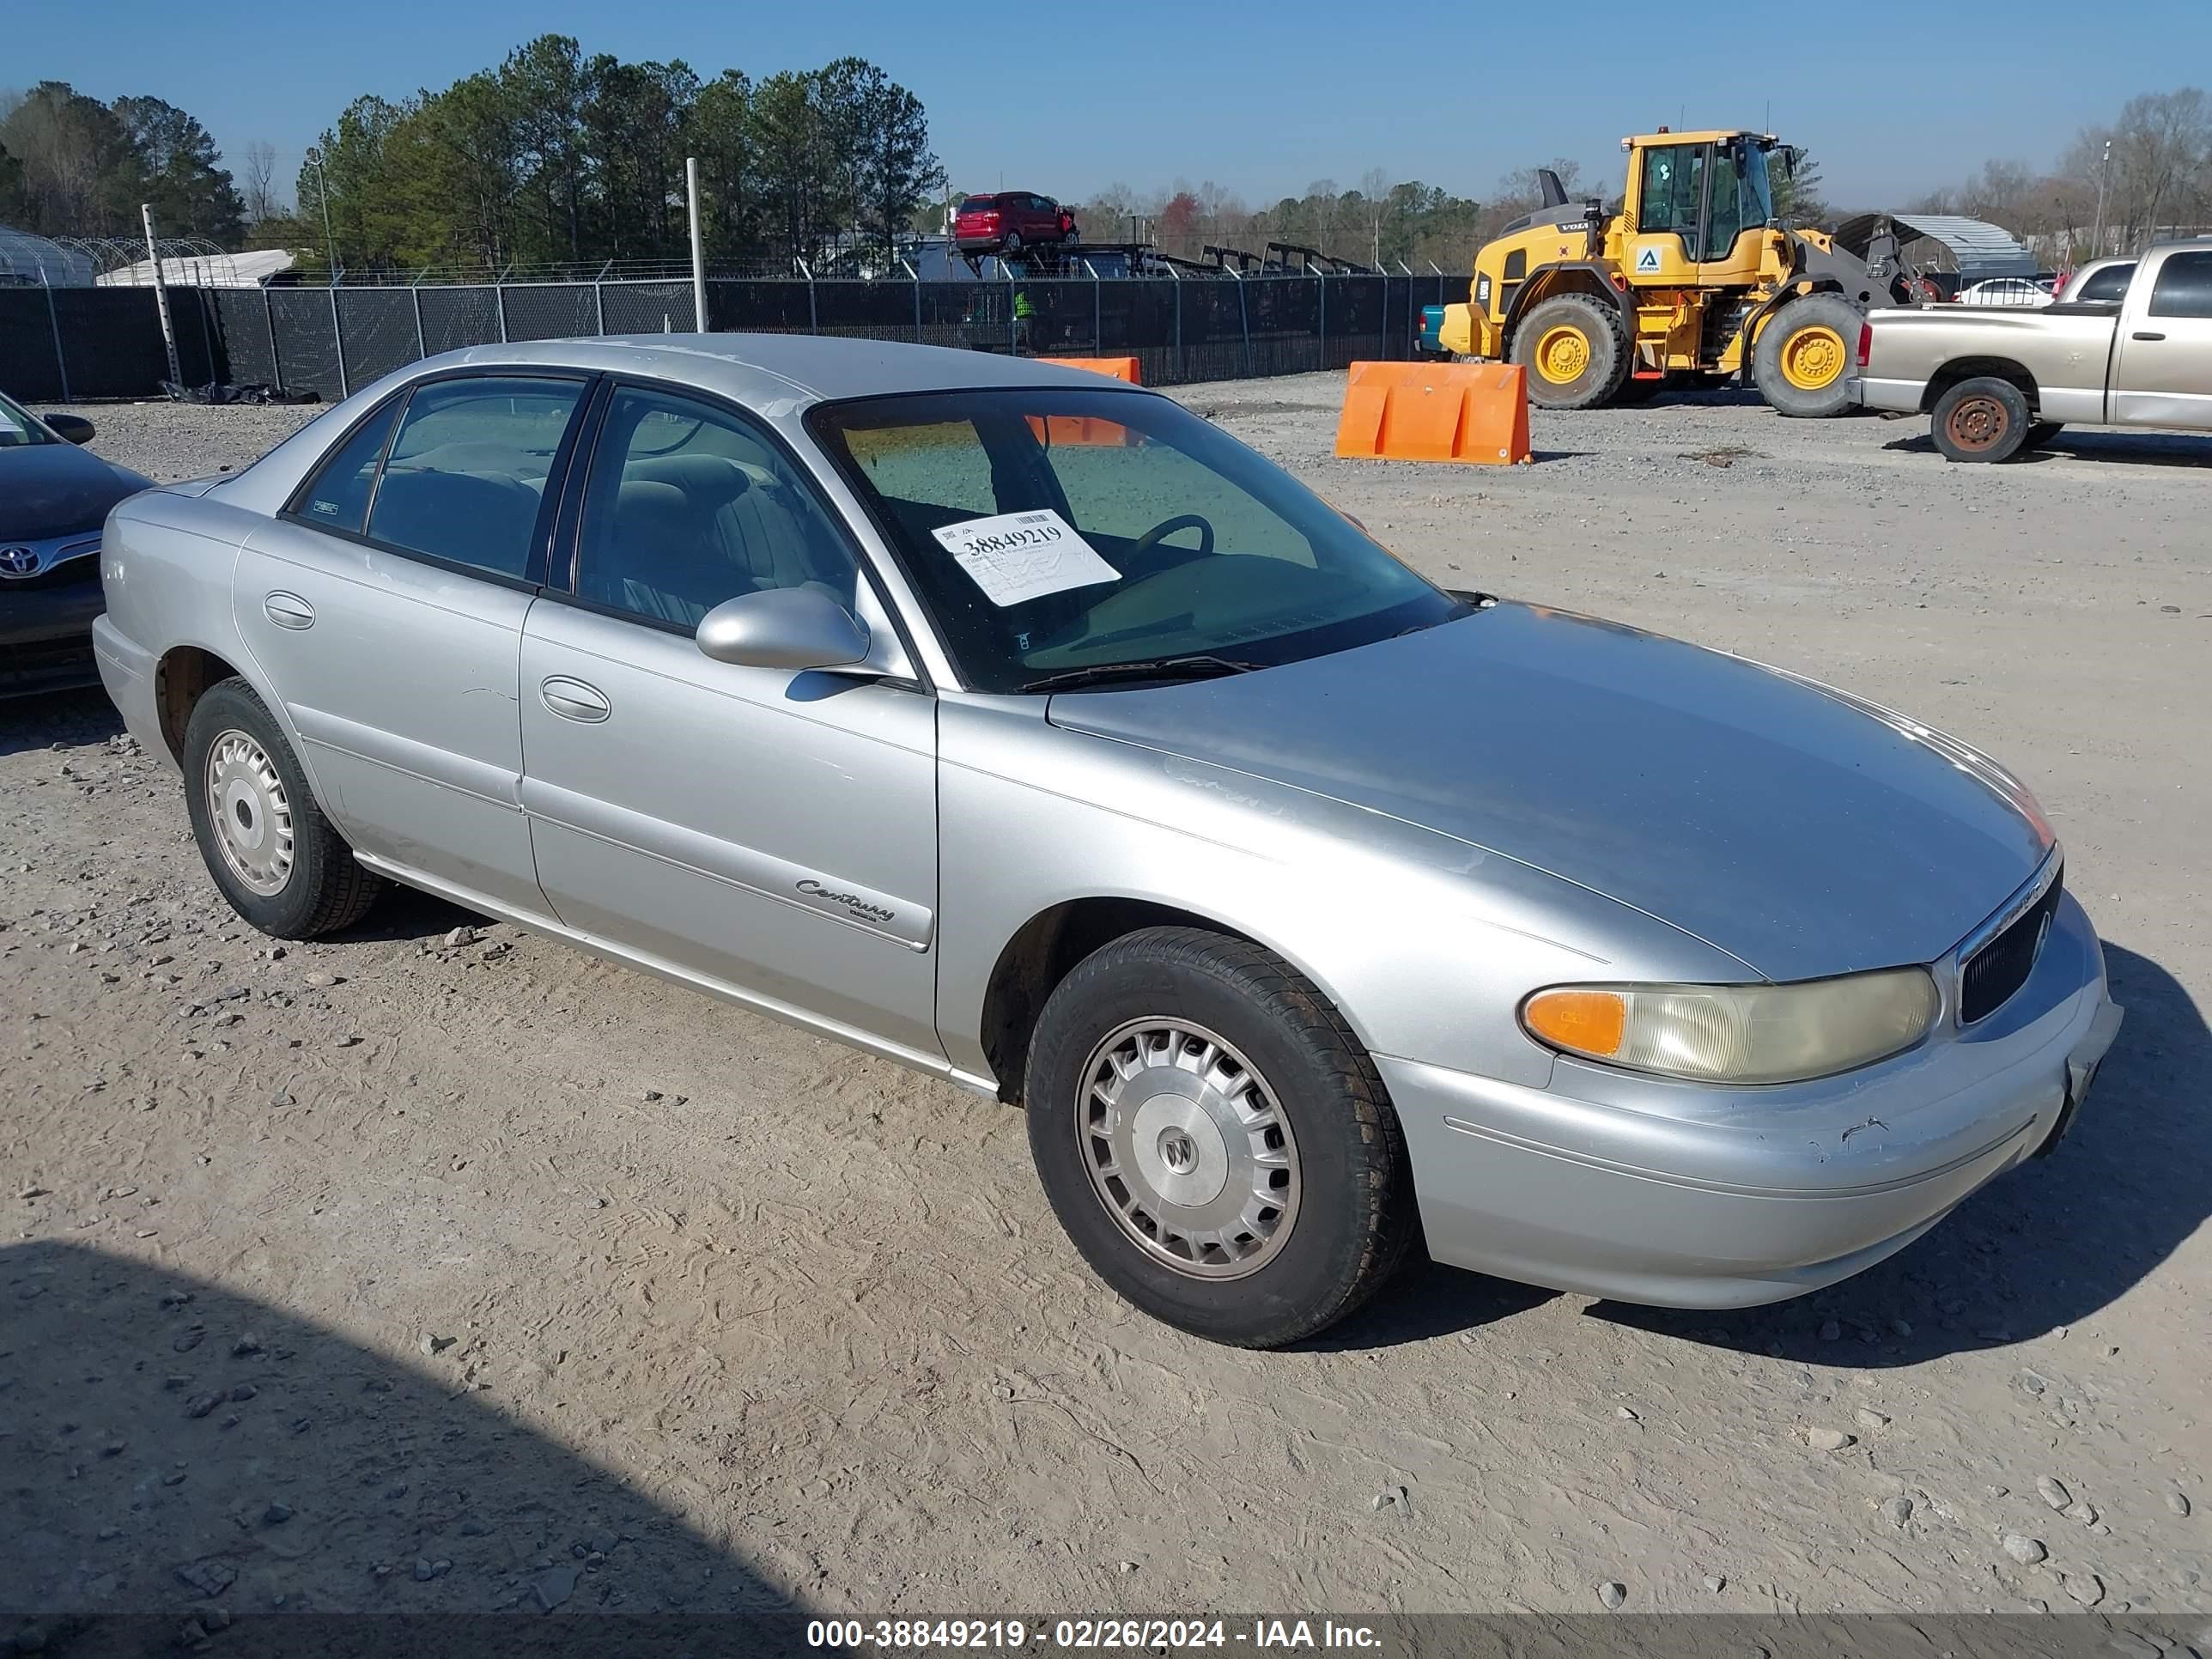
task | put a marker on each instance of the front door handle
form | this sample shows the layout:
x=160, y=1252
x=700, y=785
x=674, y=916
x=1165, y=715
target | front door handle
x=2140, y=335
x=573, y=700
x=289, y=610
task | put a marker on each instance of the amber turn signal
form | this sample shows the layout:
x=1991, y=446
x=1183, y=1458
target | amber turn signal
x=1586, y=1022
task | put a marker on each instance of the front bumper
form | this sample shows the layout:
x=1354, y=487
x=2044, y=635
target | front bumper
x=1674, y=1196
x=45, y=638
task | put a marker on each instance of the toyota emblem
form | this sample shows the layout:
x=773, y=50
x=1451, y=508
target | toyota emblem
x=18, y=561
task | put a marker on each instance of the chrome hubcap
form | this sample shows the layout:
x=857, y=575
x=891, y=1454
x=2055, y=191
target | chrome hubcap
x=1188, y=1148
x=251, y=813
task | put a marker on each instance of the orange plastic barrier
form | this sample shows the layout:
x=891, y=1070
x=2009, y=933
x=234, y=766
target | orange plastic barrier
x=1473, y=412
x=1120, y=368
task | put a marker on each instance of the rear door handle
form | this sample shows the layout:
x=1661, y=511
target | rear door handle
x=573, y=700
x=2142, y=335
x=289, y=610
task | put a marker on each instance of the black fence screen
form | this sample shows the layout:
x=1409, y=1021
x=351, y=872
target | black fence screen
x=58, y=343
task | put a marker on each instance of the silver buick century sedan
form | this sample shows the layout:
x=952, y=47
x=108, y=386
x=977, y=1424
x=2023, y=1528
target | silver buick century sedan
x=1024, y=727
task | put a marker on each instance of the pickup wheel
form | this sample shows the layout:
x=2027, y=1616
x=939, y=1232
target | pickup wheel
x=1802, y=359
x=265, y=841
x=1983, y=419
x=1215, y=1138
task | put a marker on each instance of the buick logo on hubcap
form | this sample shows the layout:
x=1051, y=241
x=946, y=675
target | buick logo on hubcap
x=18, y=561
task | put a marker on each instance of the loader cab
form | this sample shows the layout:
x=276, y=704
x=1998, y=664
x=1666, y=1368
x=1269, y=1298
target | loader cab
x=1697, y=208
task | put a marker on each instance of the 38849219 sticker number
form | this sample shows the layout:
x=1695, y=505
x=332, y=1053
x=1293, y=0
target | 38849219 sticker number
x=1015, y=557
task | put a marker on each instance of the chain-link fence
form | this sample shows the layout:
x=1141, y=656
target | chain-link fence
x=58, y=343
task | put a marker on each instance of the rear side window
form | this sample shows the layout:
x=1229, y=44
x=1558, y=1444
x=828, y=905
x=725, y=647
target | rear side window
x=338, y=498
x=2185, y=286
x=466, y=477
x=2110, y=283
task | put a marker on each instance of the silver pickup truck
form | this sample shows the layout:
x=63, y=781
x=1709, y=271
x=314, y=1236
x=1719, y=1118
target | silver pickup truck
x=1998, y=381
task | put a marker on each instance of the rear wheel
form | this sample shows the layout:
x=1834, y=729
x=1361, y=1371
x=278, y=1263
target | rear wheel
x=1012, y=243
x=1803, y=357
x=1215, y=1140
x=1575, y=351
x=1983, y=419
x=265, y=841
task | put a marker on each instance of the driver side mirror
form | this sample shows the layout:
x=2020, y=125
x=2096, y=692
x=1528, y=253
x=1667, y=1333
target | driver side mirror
x=795, y=628
x=74, y=427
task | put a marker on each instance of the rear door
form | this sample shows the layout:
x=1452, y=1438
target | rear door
x=773, y=832
x=2162, y=373
x=386, y=605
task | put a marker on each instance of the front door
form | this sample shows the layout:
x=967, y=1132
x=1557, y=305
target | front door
x=386, y=607
x=773, y=832
x=2163, y=372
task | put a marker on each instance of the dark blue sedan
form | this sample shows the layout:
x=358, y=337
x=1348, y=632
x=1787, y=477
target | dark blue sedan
x=54, y=497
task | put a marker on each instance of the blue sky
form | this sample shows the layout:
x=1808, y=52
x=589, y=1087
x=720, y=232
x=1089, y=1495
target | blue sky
x=1260, y=98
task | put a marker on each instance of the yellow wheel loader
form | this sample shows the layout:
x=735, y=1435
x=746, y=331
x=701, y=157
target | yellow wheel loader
x=1693, y=280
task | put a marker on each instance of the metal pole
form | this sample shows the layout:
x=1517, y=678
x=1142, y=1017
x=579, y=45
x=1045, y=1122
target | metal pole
x=422, y=345
x=698, y=247
x=1097, y=309
x=323, y=189
x=275, y=364
x=1244, y=321
x=161, y=296
x=54, y=322
x=499, y=304
x=813, y=310
x=916, y=277
x=2104, y=172
x=600, y=295
x=1323, y=280
x=338, y=339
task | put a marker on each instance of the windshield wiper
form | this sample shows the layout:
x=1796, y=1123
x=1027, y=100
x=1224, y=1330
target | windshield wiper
x=1149, y=668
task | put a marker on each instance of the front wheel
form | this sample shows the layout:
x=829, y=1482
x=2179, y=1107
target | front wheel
x=271, y=850
x=1802, y=359
x=1983, y=419
x=1214, y=1139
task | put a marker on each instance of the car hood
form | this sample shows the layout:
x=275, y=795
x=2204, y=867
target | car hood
x=53, y=489
x=1800, y=830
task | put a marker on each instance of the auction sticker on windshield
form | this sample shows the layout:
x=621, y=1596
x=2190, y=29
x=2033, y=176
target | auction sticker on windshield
x=1015, y=557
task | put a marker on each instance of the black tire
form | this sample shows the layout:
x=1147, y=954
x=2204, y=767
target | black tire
x=2040, y=433
x=1983, y=419
x=1807, y=379
x=1604, y=358
x=325, y=888
x=1353, y=1215
x=1012, y=244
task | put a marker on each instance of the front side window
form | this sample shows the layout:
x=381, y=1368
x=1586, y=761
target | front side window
x=466, y=476
x=2183, y=287
x=18, y=430
x=1050, y=531
x=687, y=505
x=2109, y=284
x=339, y=497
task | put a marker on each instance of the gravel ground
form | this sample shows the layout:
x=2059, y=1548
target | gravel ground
x=432, y=1269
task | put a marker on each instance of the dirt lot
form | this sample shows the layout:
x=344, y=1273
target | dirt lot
x=407, y=1272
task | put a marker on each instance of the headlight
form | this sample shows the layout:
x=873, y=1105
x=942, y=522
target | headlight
x=1739, y=1033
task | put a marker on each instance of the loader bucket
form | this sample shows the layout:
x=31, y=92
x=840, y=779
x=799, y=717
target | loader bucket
x=1473, y=412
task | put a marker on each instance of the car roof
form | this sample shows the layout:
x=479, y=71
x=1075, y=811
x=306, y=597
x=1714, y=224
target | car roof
x=758, y=370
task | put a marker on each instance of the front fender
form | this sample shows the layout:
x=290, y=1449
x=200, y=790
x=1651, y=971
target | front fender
x=1425, y=944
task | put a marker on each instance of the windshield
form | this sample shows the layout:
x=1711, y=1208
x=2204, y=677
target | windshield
x=17, y=428
x=1052, y=530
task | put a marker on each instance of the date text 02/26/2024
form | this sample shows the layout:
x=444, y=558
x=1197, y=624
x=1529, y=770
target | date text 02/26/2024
x=1259, y=1635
